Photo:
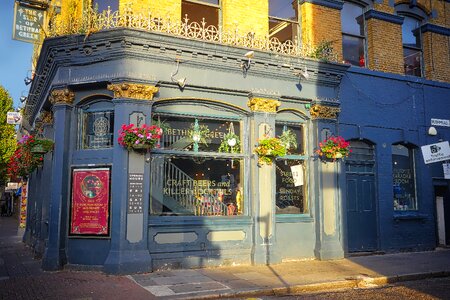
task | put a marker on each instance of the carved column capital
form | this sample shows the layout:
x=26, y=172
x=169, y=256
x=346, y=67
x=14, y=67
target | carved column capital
x=133, y=90
x=263, y=104
x=319, y=111
x=62, y=96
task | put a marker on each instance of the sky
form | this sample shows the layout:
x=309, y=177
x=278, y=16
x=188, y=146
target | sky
x=15, y=56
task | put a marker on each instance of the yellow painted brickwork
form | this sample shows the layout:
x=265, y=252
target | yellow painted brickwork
x=320, y=24
x=249, y=16
x=436, y=55
x=384, y=7
x=71, y=11
x=385, y=49
x=159, y=8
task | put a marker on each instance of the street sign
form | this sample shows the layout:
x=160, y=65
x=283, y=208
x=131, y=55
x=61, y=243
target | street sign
x=28, y=22
x=12, y=186
x=436, y=152
x=440, y=122
x=14, y=118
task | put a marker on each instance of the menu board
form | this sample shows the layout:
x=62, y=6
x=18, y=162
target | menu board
x=90, y=202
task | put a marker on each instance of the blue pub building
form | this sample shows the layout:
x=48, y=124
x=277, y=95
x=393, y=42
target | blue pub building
x=217, y=78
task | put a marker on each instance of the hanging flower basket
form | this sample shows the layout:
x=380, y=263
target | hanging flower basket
x=139, y=138
x=268, y=149
x=230, y=142
x=333, y=148
x=289, y=140
x=24, y=161
x=41, y=146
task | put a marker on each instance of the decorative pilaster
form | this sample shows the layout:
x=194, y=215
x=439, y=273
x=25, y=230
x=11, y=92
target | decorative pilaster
x=319, y=111
x=133, y=90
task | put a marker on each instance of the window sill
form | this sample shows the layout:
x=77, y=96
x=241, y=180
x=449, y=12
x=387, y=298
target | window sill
x=409, y=216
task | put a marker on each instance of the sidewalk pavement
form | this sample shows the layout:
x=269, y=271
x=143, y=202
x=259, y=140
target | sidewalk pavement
x=22, y=278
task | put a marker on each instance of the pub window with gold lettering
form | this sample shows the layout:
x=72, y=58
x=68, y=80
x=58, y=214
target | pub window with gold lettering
x=291, y=171
x=197, y=170
x=96, y=124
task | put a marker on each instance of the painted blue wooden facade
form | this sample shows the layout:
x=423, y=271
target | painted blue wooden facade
x=377, y=108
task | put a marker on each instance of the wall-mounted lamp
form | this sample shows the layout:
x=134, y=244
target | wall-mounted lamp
x=27, y=80
x=245, y=65
x=182, y=81
x=432, y=131
x=303, y=73
x=23, y=98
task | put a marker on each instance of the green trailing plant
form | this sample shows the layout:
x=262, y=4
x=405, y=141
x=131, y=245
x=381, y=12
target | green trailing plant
x=230, y=143
x=199, y=133
x=323, y=51
x=8, y=142
x=289, y=140
x=269, y=149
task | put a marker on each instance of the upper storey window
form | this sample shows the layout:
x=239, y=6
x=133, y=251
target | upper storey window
x=353, y=37
x=196, y=11
x=412, y=51
x=102, y=5
x=283, y=20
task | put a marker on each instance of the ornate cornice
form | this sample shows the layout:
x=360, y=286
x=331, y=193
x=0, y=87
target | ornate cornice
x=318, y=111
x=263, y=104
x=63, y=96
x=47, y=117
x=133, y=90
x=379, y=15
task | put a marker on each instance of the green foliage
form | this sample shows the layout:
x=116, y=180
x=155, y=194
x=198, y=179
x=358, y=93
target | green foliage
x=7, y=133
x=323, y=51
x=230, y=144
x=269, y=149
x=289, y=140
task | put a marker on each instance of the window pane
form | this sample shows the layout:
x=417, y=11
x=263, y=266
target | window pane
x=200, y=186
x=286, y=9
x=190, y=134
x=408, y=30
x=403, y=176
x=412, y=61
x=353, y=50
x=196, y=12
x=97, y=130
x=293, y=134
x=290, y=199
x=102, y=5
x=351, y=19
x=283, y=30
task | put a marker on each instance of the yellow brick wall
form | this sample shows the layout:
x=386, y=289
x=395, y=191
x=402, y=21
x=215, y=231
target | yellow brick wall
x=436, y=55
x=158, y=8
x=320, y=24
x=384, y=7
x=385, y=48
x=249, y=16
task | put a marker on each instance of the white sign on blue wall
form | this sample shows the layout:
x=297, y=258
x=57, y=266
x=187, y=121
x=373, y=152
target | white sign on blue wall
x=436, y=152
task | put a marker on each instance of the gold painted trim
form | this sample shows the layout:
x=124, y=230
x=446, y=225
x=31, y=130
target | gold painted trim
x=263, y=104
x=133, y=90
x=62, y=96
x=324, y=112
x=303, y=115
x=47, y=117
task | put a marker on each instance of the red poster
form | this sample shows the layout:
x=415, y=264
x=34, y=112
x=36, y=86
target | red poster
x=90, y=202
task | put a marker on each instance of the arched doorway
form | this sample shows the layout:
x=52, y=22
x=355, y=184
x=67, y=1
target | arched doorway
x=361, y=195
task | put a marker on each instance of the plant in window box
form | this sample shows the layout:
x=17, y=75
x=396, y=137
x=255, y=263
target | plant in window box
x=139, y=138
x=269, y=149
x=289, y=140
x=333, y=148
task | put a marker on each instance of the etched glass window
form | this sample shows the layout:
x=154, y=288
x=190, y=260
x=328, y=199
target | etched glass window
x=290, y=171
x=283, y=20
x=198, y=168
x=404, y=179
x=97, y=129
x=353, y=37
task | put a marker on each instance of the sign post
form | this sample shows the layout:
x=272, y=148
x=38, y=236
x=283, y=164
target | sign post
x=436, y=152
